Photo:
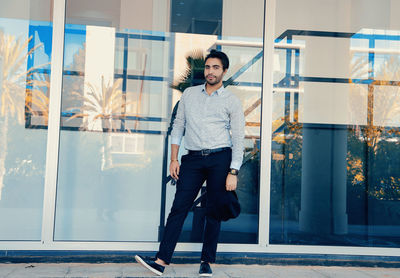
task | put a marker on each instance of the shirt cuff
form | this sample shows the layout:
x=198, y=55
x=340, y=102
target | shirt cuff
x=176, y=140
x=236, y=165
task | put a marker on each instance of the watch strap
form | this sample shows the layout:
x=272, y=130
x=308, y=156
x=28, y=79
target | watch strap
x=234, y=172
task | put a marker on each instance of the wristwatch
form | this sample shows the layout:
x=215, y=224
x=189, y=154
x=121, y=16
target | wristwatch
x=234, y=172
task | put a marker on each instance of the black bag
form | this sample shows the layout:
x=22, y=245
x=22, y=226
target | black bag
x=226, y=207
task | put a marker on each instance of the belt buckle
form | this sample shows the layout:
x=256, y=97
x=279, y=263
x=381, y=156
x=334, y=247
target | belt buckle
x=205, y=152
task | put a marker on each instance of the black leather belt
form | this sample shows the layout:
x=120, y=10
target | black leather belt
x=208, y=151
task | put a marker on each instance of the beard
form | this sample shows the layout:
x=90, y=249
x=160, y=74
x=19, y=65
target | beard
x=214, y=81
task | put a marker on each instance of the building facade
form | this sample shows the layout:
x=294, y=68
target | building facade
x=88, y=89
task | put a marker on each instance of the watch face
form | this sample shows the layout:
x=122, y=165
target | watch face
x=234, y=172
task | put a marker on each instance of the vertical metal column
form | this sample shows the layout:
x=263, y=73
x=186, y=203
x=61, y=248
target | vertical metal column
x=166, y=177
x=266, y=121
x=53, y=135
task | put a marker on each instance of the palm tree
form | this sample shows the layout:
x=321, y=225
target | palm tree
x=101, y=105
x=20, y=90
x=99, y=109
x=193, y=75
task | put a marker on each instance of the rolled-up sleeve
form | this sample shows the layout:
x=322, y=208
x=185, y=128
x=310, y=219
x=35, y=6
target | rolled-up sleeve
x=178, y=127
x=237, y=123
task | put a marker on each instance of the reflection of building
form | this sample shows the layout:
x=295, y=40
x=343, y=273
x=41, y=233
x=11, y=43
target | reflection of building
x=312, y=181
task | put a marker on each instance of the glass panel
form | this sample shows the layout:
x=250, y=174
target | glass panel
x=25, y=55
x=113, y=119
x=335, y=148
x=113, y=183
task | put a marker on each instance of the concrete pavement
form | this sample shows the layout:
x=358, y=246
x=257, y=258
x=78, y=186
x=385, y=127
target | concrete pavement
x=128, y=270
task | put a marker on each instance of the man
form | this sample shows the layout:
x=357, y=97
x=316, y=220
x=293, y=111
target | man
x=213, y=121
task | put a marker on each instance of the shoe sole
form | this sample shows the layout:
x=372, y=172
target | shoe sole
x=205, y=275
x=143, y=263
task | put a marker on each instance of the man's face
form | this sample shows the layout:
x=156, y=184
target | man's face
x=213, y=71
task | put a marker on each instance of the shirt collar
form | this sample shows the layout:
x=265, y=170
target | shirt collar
x=217, y=92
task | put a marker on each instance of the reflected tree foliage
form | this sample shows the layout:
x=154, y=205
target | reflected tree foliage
x=99, y=106
x=193, y=74
x=102, y=110
x=374, y=147
x=24, y=93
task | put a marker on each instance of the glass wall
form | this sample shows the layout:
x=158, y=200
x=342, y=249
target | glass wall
x=126, y=64
x=25, y=55
x=336, y=137
x=335, y=178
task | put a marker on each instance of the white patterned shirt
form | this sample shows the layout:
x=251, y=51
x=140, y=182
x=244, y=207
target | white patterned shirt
x=210, y=122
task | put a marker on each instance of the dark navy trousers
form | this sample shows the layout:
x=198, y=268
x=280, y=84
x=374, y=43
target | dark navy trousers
x=194, y=170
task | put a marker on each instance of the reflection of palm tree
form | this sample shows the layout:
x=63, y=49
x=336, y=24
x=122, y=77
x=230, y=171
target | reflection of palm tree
x=194, y=72
x=100, y=109
x=102, y=106
x=192, y=76
x=19, y=89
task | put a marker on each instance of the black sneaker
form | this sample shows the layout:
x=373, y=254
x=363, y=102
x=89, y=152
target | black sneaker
x=150, y=264
x=205, y=270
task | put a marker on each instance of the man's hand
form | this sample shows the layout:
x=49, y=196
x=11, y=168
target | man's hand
x=174, y=169
x=231, y=182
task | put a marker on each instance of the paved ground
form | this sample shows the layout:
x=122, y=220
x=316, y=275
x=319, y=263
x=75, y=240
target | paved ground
x=112, y=270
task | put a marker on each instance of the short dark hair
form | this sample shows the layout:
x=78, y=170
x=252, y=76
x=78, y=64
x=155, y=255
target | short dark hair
x=220, y=55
